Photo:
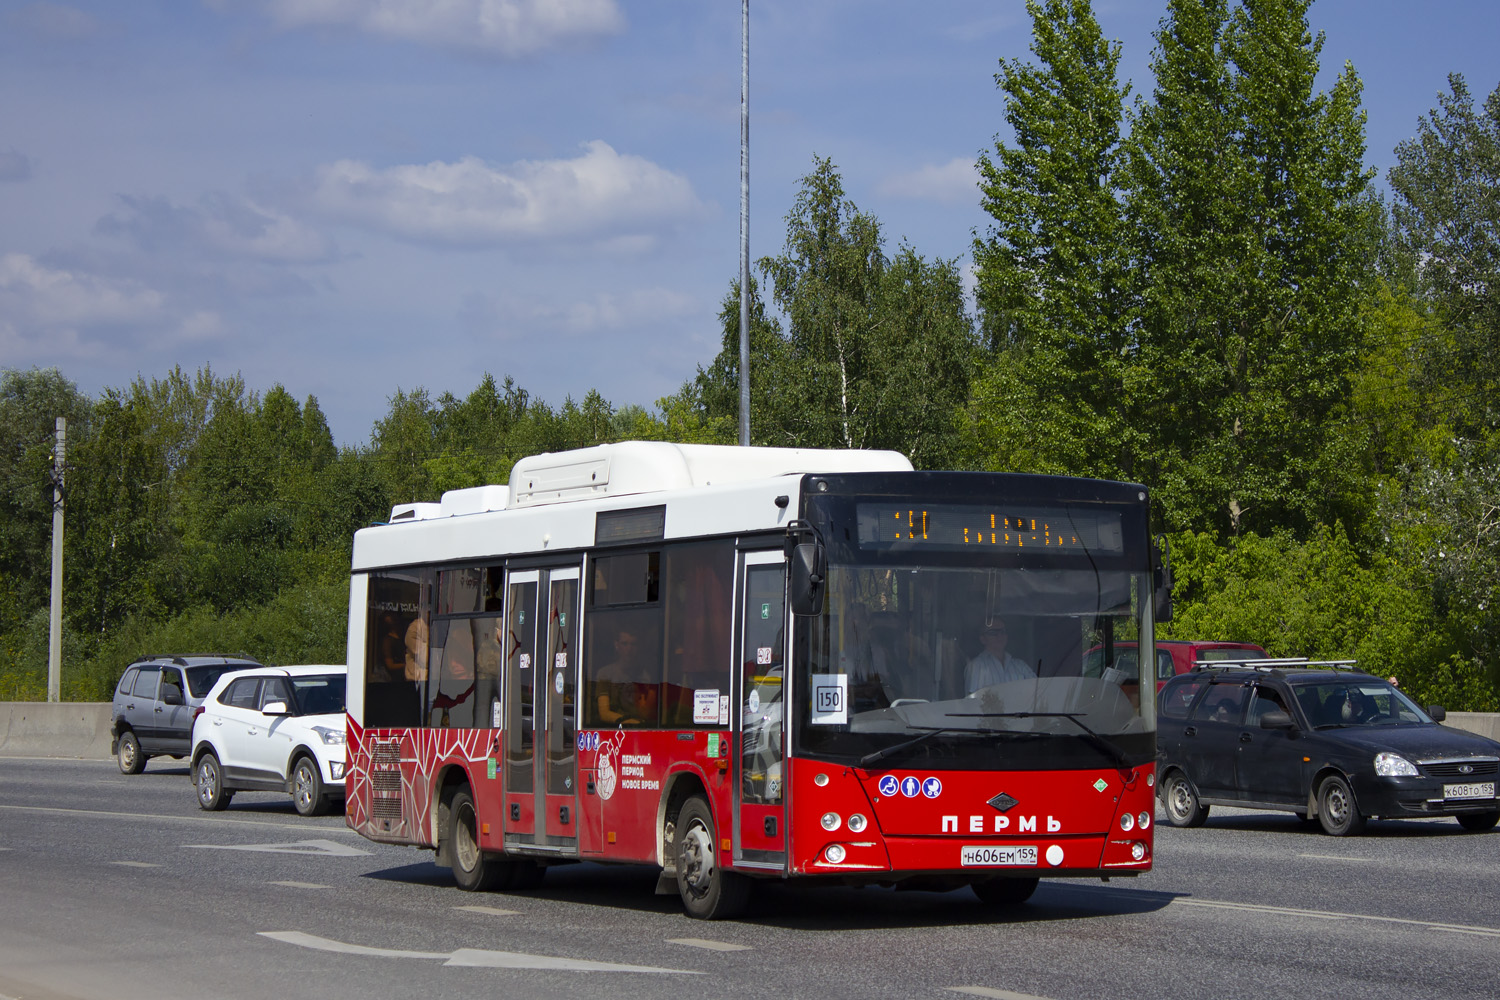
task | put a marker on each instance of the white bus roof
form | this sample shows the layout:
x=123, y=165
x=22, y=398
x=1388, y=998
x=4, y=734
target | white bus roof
x=709, y=489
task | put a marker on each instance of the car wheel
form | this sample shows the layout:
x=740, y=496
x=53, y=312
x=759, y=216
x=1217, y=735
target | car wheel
x=128, y=754
x=473, y=869
x=209, y=779
x=1181, y=801
x=1337, y=811
x=708, y=891
x=307, y=788
x=1479, y=822
x=1005, y=891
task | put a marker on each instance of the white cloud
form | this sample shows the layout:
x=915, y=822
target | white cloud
x=502, y=27
x=221, y=224
x=955, y=181
x=508, y=316
x=597, y=196
x=44, y=297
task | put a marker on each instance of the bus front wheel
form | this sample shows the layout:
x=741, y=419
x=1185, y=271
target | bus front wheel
x=708, y=891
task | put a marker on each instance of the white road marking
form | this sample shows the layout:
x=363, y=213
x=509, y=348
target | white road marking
x=466, y=957
x=135, y=864
x=1335, y=915
x=491, y=910
x=1339, y=857
x=320, y=847
x=985, y=991
x=217, y=819
x=301, y=885
x=709, y=945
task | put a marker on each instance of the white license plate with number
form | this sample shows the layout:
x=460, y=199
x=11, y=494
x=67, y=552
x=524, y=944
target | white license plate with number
x=1007, y=856
x=1473, y=790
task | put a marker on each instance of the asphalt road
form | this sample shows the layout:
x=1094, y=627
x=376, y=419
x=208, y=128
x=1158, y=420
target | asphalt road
x=119, y=887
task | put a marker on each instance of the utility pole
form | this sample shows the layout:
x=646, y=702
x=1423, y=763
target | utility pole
x=744, y=222
x=54, y=641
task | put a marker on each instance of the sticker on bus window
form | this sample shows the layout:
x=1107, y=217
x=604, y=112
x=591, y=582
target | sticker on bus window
x=830, y=699
x=705, y=706
x=723, y=709
x=762, y=655
x=495, y=716
x=525, y=661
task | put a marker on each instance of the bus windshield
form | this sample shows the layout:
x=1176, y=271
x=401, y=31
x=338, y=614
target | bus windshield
x=978, y=667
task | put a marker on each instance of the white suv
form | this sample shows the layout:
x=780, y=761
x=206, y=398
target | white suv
x=272, y=729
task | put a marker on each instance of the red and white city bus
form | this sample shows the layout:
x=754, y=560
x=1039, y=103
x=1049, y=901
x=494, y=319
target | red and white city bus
x=753, y=663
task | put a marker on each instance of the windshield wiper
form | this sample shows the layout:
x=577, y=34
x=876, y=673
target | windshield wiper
x=923, y=737
x=1108, y=748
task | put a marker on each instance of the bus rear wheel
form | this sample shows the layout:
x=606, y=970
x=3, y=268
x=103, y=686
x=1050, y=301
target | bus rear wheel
x=473, y=869
x=708, y=891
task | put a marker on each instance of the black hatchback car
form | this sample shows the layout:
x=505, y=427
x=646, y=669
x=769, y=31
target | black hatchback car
x=1328, y=743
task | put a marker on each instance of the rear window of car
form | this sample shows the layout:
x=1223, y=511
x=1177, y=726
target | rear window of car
x=145, y=682
x=127, y=680
x=1222, y=703
x=241, y=693
x=1231, y=653
x=1177, y=697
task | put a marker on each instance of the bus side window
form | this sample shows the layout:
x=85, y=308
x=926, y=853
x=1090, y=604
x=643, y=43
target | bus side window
x=699, y=581
x=623, y=642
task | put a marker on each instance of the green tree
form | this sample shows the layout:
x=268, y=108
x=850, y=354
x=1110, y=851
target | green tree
x=1447, y=215
x=875, y=352
x=1052, y=290
x=1254, y=255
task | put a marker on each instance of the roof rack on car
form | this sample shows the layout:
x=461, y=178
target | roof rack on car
x=1274, y=663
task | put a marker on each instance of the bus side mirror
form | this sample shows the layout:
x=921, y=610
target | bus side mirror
x=808, y=571
x=1161, y=581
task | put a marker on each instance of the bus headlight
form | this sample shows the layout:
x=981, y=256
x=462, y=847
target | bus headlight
x=835, y=854
x=1138, y=851
x=831, y=821
x=857, y=823
x=1144, y=821
x=1127, y=822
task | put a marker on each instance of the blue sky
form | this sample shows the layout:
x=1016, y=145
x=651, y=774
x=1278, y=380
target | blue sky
x=351, y=196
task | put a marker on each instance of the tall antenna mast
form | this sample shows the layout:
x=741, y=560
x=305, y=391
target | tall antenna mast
x=744, y=222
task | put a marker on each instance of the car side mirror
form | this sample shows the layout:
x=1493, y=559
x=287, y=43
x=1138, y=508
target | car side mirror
x=1438, y=712
x=808, y=573
x=1277, y=720
x=274, y=708
x=172, y=696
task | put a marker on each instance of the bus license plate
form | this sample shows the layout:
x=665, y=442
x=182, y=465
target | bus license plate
x=1007, y=856
x=1476, y=790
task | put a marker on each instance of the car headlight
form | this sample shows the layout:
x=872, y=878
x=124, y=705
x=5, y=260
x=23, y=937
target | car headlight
x=329, y=735
x=1393, y=765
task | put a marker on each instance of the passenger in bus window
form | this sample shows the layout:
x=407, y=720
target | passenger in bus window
x=622, y=696
x=416, y=650
x=392, y=648
x=995, y=664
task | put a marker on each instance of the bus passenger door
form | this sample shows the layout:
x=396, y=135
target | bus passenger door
x=520, y=716
x=559, y=716
x=760, y=836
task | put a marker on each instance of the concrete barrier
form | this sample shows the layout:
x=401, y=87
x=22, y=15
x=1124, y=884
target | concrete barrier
x=58, y=729
x=81, y=729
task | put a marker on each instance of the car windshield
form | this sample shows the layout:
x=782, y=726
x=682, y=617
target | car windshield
x=1356, y=701
x=319, y=694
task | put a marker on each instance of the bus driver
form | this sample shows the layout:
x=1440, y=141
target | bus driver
x=994, y=665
